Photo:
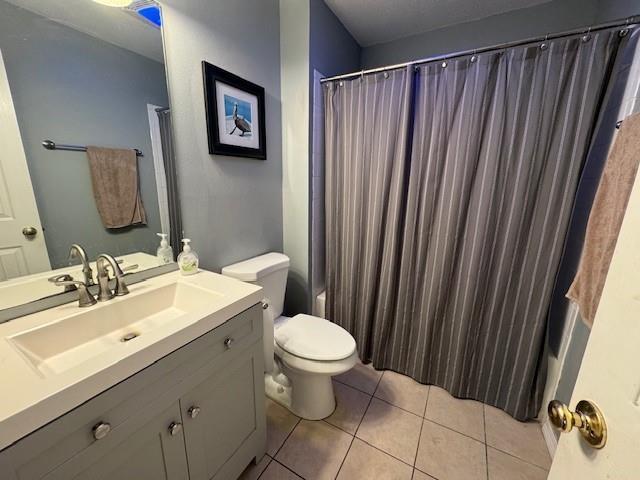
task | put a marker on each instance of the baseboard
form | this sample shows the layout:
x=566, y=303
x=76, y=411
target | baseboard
x=549, y=438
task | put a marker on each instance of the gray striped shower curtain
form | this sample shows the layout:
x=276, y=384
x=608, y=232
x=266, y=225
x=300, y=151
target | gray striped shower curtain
x=448, y=192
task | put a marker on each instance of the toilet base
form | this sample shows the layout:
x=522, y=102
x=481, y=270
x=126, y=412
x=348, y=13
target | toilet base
x=308, y=396
x=305, y=386
x=312, y=396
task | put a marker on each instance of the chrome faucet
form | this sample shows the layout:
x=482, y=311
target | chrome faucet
x=104, y=261
x=77, y=250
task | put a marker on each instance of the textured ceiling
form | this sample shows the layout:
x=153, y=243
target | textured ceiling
x=110, y=24
x=378, y=21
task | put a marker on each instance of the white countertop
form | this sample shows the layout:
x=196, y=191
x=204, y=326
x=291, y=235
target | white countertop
x=29, y=400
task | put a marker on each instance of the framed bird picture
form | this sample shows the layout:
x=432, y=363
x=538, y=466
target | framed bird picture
x=235, y=114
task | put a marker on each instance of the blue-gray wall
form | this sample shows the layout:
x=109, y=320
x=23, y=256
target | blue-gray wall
x=73, y=88
x=550, y=17
x=332, y=49
x=231, y=207
x=615, y=9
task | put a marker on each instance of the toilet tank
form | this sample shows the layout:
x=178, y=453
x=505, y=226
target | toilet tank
x=269, y=271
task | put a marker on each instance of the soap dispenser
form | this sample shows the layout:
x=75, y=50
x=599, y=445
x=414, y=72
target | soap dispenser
x=188, y=259
x=164, y=252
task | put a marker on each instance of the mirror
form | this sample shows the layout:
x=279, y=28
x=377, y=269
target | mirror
x=74, y=74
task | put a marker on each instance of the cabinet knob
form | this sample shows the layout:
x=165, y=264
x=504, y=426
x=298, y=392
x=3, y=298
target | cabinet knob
x=193, y=411
x=175, y=428
x=228, y=341
x=101, y=430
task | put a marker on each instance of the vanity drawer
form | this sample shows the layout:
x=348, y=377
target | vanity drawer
x=160, y=384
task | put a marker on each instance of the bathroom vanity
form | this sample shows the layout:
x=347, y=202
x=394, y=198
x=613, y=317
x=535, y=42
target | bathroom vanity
x=166, y=382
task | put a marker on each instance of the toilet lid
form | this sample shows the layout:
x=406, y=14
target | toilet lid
x=315, y=338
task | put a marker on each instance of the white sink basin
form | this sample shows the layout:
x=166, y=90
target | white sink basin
x=58, y=346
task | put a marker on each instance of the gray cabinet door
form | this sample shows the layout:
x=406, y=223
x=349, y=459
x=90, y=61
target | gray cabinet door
x=150, y=453
x=226, y=418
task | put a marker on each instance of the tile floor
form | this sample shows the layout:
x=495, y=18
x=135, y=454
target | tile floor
x=387, y=426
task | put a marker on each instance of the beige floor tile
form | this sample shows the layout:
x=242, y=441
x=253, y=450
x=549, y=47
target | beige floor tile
x=505, y=467
x=275, y=471
x=315, y=450
x=350, y=407
x=391, y=429
x=363, y=377
x=418, y=475
x=364, y=462
x=521, y=439
x=280, y=423
x=253, y=471
x=464, y=416
x=449, y=455
x=403, y=392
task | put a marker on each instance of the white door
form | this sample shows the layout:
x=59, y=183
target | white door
x=20, y=254
x=610, y=374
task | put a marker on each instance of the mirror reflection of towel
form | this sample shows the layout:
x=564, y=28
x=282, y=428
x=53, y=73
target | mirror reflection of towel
x=114, y=177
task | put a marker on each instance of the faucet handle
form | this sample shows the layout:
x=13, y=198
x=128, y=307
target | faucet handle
x=64, y=277
x=85, y=299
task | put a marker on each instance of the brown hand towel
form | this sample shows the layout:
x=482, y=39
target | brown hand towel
x=114, y=177
x=605, y=219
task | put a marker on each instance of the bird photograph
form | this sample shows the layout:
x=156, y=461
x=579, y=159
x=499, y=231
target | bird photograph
x=239, y=122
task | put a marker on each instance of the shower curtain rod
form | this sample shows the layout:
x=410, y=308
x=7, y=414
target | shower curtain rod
x=627, y=22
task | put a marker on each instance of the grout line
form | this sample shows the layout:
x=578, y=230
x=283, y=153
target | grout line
x=386, y=453
x=453, y=430
x=486, y=448
x=430, y=475
x=424, y=412
x=519, y=458
x=362, y=419
x=425, y=473
x=267, y=466
x=345, y=455
x=286, y=438
x=284, y=466
x=368, y=404
x=338, y=427
x=400, y=408
x=353, y=436
x=356, y=388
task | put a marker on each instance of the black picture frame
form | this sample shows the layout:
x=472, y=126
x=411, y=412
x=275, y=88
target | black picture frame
x=211, y=76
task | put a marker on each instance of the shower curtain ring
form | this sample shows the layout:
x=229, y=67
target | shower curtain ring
x=587, y=36
x=543, y=45
x=625, y=30
x=473, y=57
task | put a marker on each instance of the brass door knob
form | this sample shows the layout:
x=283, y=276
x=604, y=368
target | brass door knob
x=587, y=418
x=29, y=232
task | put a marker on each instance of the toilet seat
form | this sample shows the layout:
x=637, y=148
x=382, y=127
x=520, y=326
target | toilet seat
x=314, y=338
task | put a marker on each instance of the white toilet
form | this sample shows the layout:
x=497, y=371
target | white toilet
x=308, y=350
